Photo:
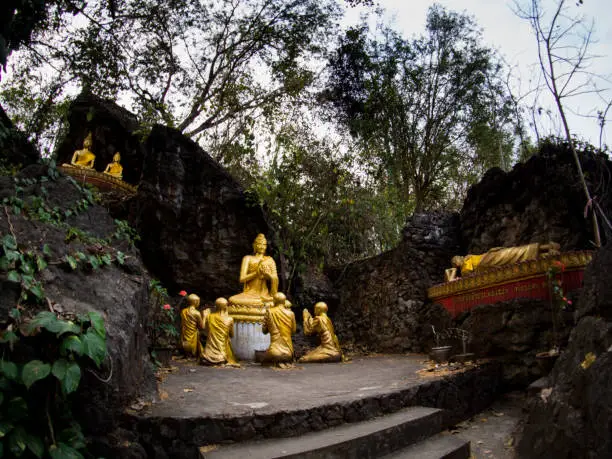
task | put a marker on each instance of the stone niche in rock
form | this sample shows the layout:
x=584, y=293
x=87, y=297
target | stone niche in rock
x=194, y=220
x=113, y=128
x=540, y=200
x=382, y=299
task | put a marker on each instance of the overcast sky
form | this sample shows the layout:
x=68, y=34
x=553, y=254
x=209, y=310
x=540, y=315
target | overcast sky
x=513, y=38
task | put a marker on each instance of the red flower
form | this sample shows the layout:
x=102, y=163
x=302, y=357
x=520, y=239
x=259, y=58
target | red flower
x=569, y=302
x=559, y=265
x=182, y=293
x=167, y=307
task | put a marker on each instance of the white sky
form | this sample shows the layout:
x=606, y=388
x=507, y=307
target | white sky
x=513, y=38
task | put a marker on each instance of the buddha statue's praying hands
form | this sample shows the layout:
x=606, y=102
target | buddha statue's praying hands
x=259, y=277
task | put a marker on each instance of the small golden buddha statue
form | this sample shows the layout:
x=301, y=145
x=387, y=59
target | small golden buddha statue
x=499, y=256
x=329, y=350
x=115, y=168
x=84, y=158
x=191, y=323
x=219, y=328
x=258, y=274
x=279, y=321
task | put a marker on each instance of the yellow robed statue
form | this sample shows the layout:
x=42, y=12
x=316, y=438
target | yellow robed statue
x=219, y=328
x=258, y=274
x=191, y=323
x=329, y=349
x=499, y=256
x=115, y=168
x=84, y=157
x=279, y=322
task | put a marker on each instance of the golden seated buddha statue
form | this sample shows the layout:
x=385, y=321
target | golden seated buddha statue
x=258, y=274
x=499, y=256
x=115, y=168
x=84, y=158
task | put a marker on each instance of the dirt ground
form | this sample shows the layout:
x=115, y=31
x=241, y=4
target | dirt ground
x=492, y=432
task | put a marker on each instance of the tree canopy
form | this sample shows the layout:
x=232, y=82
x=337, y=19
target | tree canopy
x=430, y=112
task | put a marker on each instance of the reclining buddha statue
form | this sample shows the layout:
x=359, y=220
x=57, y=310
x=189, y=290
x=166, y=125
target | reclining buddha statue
x=499, y=256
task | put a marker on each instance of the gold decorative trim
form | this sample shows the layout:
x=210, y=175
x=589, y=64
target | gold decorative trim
x=80, y=173
x=246, y=314
x=516, y=272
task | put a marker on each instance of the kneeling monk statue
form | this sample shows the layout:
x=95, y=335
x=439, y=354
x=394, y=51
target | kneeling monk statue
x=191, y=323
x=329, y=349
x=219, y=328
x=499, y=256
x=279, y=321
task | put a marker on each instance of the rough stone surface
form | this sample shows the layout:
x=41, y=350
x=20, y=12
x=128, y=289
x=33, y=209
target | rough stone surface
x=382, y=305
x=572, y=418
x=308, y=398
x=194, y=220
x=119, y=293
x=514, y=332
x=113, y=129
x=15, y=149
x=540, y=200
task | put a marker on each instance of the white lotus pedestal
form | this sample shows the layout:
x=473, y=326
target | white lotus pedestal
x=248, y=334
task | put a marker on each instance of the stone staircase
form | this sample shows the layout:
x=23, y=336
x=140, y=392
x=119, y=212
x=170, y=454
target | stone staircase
x=414, y=432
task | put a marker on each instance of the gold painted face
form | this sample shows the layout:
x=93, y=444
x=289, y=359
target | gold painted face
x=117, y=157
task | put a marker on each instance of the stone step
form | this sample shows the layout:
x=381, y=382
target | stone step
x=441, y=446
x=367, y=439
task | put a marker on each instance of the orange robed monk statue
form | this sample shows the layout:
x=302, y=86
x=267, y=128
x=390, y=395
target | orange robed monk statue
x=329, y=349
x=219, y=328
x=191, y=323
x=279, y=321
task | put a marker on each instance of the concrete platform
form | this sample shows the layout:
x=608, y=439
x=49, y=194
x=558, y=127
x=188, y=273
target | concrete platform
x=206, y=406
x=367, y=439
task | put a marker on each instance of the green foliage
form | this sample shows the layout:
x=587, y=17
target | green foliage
x=429, y=112
x=197, y=66
x=327, y=211
x=162, y=324
x=34, y=397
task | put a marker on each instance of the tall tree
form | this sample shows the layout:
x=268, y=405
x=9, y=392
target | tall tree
x=188, y=63
x=563, y=40
x=430, y=111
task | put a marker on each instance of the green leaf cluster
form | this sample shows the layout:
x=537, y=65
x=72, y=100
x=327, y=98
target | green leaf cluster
x=35, y=410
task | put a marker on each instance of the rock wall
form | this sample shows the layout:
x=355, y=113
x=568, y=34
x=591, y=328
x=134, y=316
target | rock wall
x=381, y=299
x=514, y=332
x=193, y=217
x=119, y=293
x=540, y=200
x=113, y=129
x=572, y=417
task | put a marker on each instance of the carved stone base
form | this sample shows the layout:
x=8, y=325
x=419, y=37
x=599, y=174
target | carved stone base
x=248, y=338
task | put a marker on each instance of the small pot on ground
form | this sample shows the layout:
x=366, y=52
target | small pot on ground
x=440, y=354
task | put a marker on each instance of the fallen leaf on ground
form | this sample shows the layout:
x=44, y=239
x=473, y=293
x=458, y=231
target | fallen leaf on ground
x=187, y=389
x=483, y=419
